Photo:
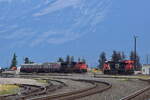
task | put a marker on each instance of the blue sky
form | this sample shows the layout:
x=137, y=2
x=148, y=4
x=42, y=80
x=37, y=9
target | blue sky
x=47, y=29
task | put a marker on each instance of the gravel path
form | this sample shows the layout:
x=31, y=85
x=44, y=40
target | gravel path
x=71, y=86
x=20, y=81
x=120, y=88
x=143, y=96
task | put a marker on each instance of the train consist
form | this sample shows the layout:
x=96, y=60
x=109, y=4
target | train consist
x=121, y=67
x=59, y=67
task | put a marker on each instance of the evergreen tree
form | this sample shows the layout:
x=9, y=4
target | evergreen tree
x=72, y=58
x=68, y=59
x=26, y=60
x=84, y=61
x=123, y=57
x=14, y=61
x=117, y=56
x=134, y=56
x=79, y=59
x=60, y=59
x=102, y=59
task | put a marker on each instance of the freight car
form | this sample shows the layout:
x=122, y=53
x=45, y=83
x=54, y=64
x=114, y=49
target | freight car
x=59, y=67
x=40, y=68
x=121, y=67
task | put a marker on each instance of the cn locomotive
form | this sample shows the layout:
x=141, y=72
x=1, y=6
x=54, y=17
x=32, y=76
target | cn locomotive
x=57, y=67
x=121, y=67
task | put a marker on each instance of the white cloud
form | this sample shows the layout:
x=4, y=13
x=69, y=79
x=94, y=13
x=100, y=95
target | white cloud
x=58, y=5
x=89, y=16
x=18, y=34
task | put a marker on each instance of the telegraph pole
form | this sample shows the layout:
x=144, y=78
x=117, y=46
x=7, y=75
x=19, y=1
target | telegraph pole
x=147, y=59
x=135, y=51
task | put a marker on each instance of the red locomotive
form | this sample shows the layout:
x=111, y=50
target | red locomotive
x=80, y=67
x=121, y=67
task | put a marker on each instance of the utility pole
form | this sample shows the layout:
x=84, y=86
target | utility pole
x=147, y=59
x=135, y=51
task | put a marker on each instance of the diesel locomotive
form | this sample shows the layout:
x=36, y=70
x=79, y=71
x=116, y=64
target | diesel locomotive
x=121, y=67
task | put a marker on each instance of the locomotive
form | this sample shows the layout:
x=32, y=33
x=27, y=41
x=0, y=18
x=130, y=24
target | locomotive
x=57, y=67
x=121, y=67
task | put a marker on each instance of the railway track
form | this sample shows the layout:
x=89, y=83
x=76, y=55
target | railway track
x=27, y=89
x=136, y=94
x=96, y=88
x=32, y=90
x=44, y=90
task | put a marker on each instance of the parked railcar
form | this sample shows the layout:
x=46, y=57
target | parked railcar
x=80, y=67
x=67, y=67
x=121, y=67
x=63, y=67
x=52, y=67
x=40, y=68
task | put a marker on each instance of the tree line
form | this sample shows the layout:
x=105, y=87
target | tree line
x=69, y=60
x=119, y=56
x=116, y=57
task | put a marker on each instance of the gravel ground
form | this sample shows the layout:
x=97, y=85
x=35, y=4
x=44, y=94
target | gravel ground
x=143, y=96
x=72, y=86
x=120, y=88
x=20, y=81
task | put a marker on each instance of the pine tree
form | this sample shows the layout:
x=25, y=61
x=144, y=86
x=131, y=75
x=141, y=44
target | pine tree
x=134, y=56
x=79, y=59
x=84, y=61
x=102, y=59
x=14, y=61
x=114, y=56
x=26, y=60
x=117, y=56
x=72, y=58
x=60, y=59
x=123, y=56
x=68, y=59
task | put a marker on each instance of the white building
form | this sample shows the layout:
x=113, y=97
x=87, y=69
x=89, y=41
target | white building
x=146, y=69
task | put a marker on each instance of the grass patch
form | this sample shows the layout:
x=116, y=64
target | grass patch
x=8, y=89
x=143, y=77
x=123, y=79
x=41, y=81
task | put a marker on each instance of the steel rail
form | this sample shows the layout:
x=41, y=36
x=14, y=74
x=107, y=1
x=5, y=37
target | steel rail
x=135, y=94
x=78, y=93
